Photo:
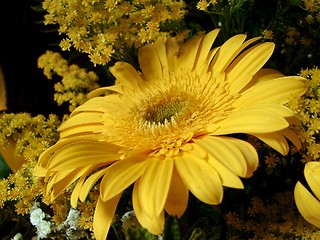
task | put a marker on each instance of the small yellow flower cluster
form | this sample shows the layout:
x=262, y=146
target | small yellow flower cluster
x=101, y=28
x=31, y=135
x=87, y=208
x=271, y=160
x=271, y=220
x=313, y=8
x=204, y=4
x=293, y=36
x=307, y=109
x=267, y=34
x=75, y=83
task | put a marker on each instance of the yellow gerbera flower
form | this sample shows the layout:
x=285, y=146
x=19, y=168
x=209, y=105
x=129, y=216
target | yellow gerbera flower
x=167, y=129
x=307, y=203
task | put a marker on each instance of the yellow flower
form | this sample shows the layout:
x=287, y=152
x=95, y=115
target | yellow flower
x=307, y=203
x=167, y=129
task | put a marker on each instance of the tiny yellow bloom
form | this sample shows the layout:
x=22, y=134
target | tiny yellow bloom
x=307, y=203
x=167, y=129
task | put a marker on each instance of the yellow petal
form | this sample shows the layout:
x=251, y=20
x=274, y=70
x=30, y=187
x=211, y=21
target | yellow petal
x=154, y=224
x=88, y=184
x=241, y=71
x=45, y=157
x=292, y=136
x=66, y=180
x=85, y=130
x=121, y=175
x=229, y=154
x=249, y=153
x=154, y=185
x=188, y=53
x=200, y=177
x=150, y=63
x=226, y=54
x=76, y=191
x=264, y=74
x=307, y=204
x=161, y=52
x=228, y=178
x=177, y=200
x=82, y=153
x=274, y=140
x=312, y=175
x=278, y=90
x=203, y=56
x=97, y=104
x=98, y=92
x=126, y=75
x=82, y=118
x=103, y=217
x=172, y=49
x=251, y=120
x=39, y=171
x=279, y=109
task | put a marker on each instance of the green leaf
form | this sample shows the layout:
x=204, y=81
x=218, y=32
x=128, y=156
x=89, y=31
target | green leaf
x=171, y=229
x=198, y=234
x=139, y=233
x=4, y=168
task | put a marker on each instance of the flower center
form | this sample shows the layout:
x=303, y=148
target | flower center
x=162, y=112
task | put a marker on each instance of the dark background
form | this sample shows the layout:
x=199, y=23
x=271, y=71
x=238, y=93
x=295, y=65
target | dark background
x=23, y=40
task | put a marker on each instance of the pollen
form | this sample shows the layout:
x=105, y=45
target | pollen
x=159, y=114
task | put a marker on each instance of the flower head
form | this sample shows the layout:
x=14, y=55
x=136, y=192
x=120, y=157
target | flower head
x=171, y=128
x=307, y=203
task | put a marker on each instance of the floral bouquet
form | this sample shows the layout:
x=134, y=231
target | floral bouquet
x=184, y=120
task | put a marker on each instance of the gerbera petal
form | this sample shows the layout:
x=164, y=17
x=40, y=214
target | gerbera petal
x=274, y=140
x=154, y=185
x=126, y=75
x=307, y=204
x=177, y=199
x=264, y=74
x=241, y=71
x=202, y=58
x=85, y=130
x=89, y=118
x=161, y=51
x=278, y=90
x=98, y=92
x=103, y=216
x=54, y=177
x=226, y=54
x=252, y=120
x=188, y=53
x=82, y=153
x=122, y=174
x=65, y=180
x=236, y=155
x=89, y=183
x=76, y=191
x=200, y=177
x=150, y=63
x=172, y=50
x=40, y=171
x=249, y=153
x=279, y=109
x=292, y=136
x=312, y=175
x=153, y=224
x=97, y=104
x=228, y=178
